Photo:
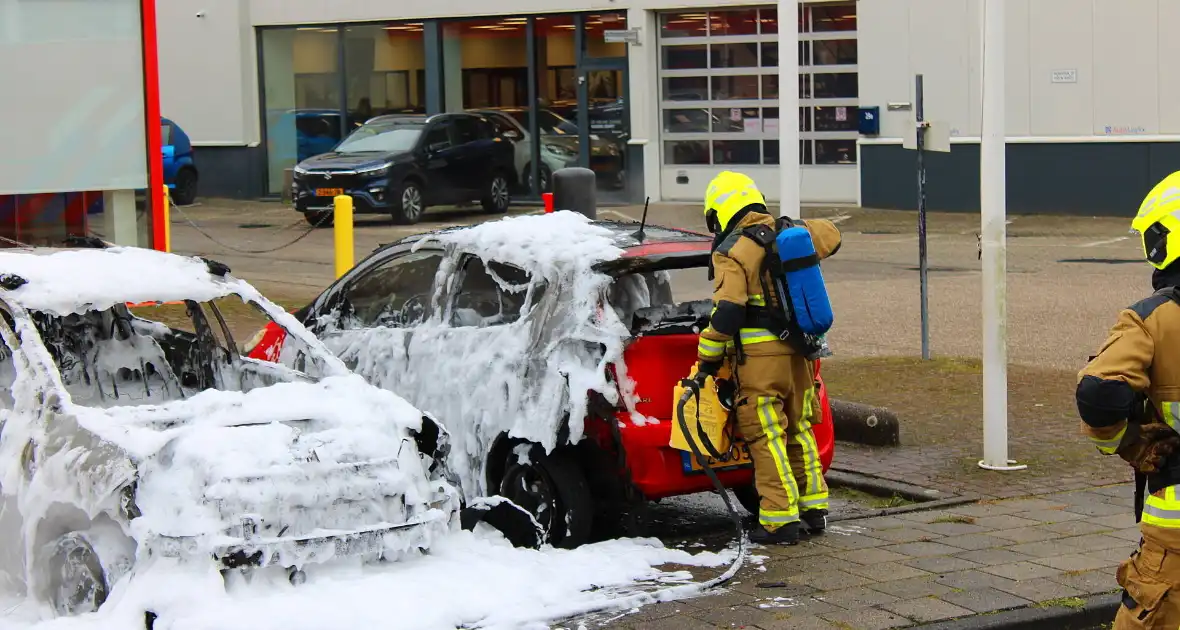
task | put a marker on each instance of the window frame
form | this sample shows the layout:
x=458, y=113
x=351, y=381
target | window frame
x=460, y=277
x=765, y=39
x=341, y=294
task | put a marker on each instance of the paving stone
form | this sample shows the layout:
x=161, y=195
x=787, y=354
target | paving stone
x=1116, y=521
x=791, y=621
x=732, y=616
x=1085, y=497
x=859, y=541
x=1025, y=534
x=1050, y=516
x=1078, y=528
x=975, y=541
x=1112, y=555
x=1076, y=562
x=941, y=564
x=927, y=516
x=829, y=580
x=1092, y=542
x=951, y=529
x=1005, y=521
x=855, y=598
x=786, y=590
x=873, y=556
x=984, y=600
x=905, y=535
x=1098, y=581
x=883, y=522
x=1044, y=549
x=1131, y=533
x=1024, y=570
x=984, y=509
x=1097, y=509
x=913, y=587
x=992, y=557
x=794, y=606
x=731, y=598
x=923, y=549
x=869, y=619
x=886, y=571
x=658, y=610
x=972, y=579
x=1115, y=490
x=675, y=622
x=1042, y=590
x=1032, y=504
x=802, y=550
x=927, y=609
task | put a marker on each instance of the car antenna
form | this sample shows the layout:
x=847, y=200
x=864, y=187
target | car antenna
x=639, y=236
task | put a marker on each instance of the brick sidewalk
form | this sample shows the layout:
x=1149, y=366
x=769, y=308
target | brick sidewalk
x=921, y=567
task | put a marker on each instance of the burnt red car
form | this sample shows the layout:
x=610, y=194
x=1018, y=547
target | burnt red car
x=551, y=364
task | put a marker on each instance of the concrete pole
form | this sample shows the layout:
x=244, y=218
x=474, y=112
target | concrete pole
x=788, y=109
x=992, y=189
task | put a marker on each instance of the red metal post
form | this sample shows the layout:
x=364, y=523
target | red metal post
x=151, y=112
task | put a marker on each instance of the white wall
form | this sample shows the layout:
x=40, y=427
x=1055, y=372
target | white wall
x=208, y=70
x=1120, y=51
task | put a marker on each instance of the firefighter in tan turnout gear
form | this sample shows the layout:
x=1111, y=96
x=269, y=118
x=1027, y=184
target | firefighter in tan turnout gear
x=1128, y=397
x=775, y=386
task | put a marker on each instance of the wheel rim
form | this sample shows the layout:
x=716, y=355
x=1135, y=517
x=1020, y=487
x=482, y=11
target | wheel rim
x=530, y=489
x=544, y=180
x=500, y=192
x=78, y=590
x=411, y=202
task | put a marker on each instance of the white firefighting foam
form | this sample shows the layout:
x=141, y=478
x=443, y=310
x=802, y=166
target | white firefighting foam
x=482, y=382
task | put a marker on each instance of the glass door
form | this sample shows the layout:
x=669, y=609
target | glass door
x=604, y=123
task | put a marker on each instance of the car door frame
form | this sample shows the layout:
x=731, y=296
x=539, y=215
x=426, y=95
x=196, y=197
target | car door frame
x=477, y=156
x=440, y=168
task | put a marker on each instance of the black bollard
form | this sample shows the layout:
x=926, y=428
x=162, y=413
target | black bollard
x=574, y=189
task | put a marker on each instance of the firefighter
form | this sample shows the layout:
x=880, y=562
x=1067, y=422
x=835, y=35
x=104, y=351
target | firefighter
x=775, y=384
x=1128, y=397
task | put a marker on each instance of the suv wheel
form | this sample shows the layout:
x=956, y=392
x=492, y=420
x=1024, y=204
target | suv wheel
x=185, y=192
x=318, y=218
x=497, y=197
x=409, y=204
x=553, y=488
x=545, y=175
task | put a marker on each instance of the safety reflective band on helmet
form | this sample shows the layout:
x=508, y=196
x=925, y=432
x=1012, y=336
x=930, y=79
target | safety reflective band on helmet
x=1162, y=511
x=1109, y=446
x=709, y=348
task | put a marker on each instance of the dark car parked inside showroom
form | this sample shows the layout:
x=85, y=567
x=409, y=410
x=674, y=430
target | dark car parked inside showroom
x=402, y=164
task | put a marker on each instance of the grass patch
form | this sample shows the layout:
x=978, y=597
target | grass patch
x=1067, y=602
x=861, y=497
x=955, y=518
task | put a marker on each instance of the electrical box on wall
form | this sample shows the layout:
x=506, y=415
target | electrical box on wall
x=869, y=119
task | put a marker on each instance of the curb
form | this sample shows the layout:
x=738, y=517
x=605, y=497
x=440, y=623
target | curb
x=1099, y=611
x=925, y=498
x=864, y=424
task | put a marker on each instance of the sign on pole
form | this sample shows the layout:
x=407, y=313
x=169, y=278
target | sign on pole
x=993, y=209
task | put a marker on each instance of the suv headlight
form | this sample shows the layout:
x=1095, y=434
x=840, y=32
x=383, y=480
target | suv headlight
x=560, y=150
x=374, y=171
x=299, y=170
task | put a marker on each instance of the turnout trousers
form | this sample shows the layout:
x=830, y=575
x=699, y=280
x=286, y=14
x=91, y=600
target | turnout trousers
x=775, y=409
x=1151, y=576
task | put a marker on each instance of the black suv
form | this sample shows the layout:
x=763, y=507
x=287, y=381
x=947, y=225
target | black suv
x=402, y=164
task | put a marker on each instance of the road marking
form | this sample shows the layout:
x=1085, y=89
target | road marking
x=1106, y=242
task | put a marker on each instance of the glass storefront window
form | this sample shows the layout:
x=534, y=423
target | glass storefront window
x=384, y=71
x=301, y=92
x=596, y=26
x=745, y=41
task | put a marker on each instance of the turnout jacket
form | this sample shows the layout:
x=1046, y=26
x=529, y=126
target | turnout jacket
x=739, y=281
x=1141, y=356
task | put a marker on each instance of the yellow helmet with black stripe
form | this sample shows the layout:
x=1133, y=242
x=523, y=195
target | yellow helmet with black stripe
x=727, y=195
x=1158, y=222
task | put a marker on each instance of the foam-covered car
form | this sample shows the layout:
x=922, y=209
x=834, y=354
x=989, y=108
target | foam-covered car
x=549, y=346
x=124, y=438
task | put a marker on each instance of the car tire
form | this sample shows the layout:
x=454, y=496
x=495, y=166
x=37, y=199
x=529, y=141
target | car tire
x=497, y=197
x=409, y=204
x=546, y=175
x=318, y=218
x=77, y=580
x=552, y=487
x=749, y=498
x=185, y=192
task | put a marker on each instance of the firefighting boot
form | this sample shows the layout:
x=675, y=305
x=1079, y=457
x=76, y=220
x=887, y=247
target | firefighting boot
x=786, y=535
x=816, y=521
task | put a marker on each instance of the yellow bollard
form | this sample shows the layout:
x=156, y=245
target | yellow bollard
x=166, y=217
x=342, y=222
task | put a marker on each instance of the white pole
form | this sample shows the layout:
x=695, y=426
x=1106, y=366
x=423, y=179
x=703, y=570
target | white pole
x=788, y=108
x=992, y=190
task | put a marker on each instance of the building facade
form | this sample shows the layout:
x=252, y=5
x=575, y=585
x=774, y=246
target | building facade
x=693, y=90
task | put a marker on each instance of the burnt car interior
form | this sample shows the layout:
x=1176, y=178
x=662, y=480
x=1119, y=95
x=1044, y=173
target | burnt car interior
x=643, y=298
x=115, y=358
x=493, y=293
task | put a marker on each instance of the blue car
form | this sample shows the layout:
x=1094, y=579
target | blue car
x=180, y=172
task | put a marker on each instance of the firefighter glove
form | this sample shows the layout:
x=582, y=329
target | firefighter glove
x=1148, y=448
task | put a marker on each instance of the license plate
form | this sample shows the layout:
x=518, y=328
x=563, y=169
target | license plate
x=737, y=457
x=328, y=192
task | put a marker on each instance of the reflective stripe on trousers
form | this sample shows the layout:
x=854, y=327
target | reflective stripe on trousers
x=815, y=492
x=775, y=434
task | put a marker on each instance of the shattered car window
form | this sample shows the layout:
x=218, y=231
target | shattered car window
x=636, y=291
x=494, y=294
x=156, y=354
x=396, y=293
x=7, y=367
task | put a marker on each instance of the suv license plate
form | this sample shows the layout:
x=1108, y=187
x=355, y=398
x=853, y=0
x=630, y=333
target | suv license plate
x=328, y=192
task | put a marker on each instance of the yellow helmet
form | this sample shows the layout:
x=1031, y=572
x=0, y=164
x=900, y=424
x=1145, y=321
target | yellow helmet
x=726, y=195
x=1158, y=222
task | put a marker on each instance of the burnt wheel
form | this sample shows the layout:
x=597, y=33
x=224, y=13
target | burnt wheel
x=553, y=488
x=75, y=580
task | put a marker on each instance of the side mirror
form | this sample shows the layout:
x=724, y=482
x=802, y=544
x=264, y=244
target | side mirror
x=512, y=134
x=169, y=152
